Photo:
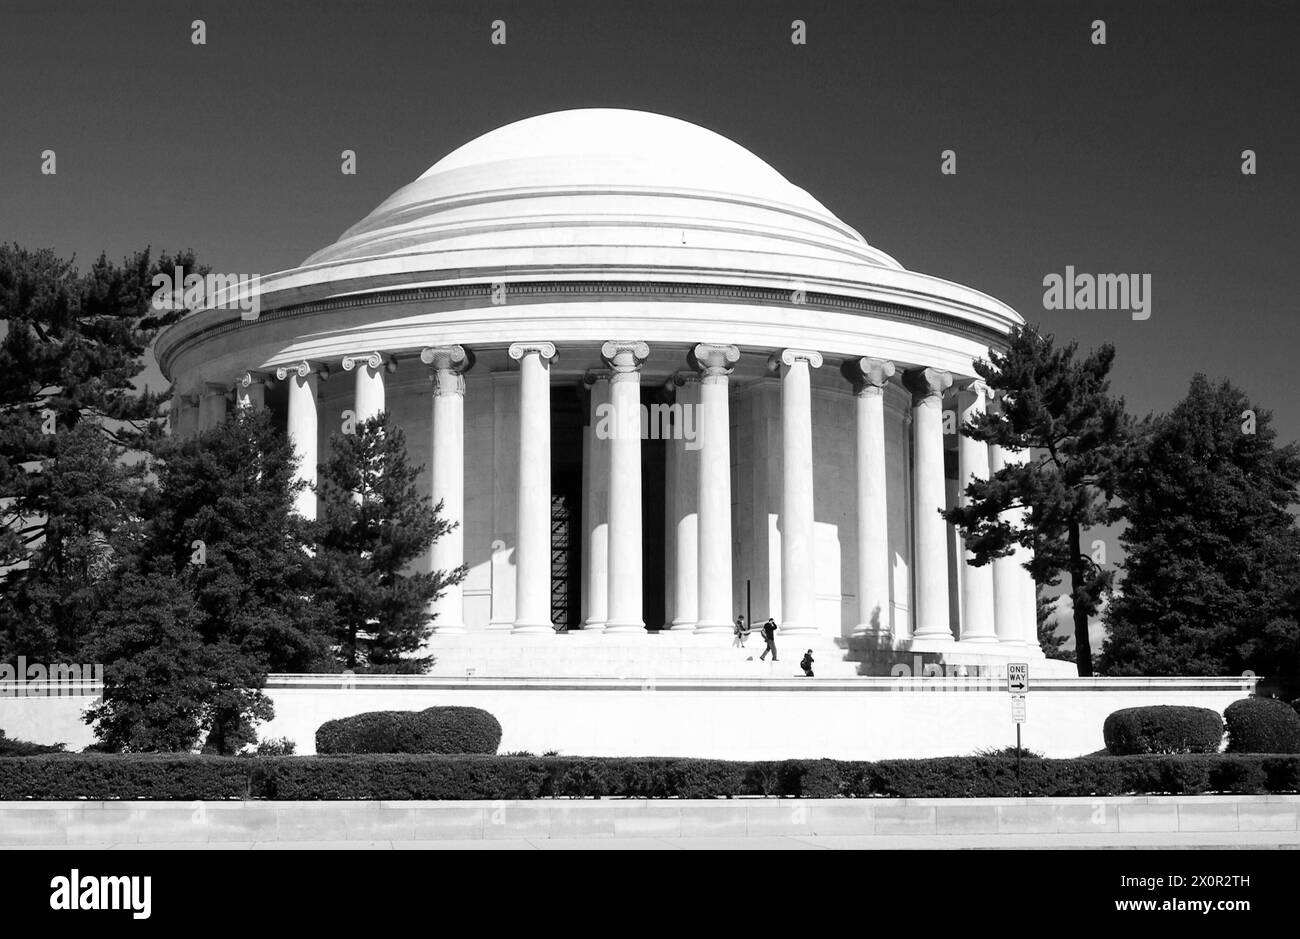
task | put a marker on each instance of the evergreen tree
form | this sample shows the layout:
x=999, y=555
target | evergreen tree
x=1213, y=552
x=163, y=683
x=1048, y=640
x=220, y=577
x=89, y=495
x=1059, y=408
x=373, y=524
x=71, y=349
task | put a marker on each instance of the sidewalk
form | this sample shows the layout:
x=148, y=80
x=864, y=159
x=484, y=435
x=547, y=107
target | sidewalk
x=1113, y=841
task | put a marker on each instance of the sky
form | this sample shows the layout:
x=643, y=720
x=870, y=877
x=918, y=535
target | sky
x=1115, y=158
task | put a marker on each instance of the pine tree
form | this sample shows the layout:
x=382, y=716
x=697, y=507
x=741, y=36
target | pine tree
x=1048, y=640
x=220, y=577
x=1059, y=408
x=163, y=683
x=373, y=524
x=1212, y=549
x=88, y=495
x=71, y=350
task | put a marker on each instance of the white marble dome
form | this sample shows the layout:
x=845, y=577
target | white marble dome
x=607, y=186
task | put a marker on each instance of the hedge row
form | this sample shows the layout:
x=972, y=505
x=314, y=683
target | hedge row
x=1163, y=729
x=433, y=730
x=406, y=776
x=1262, y=725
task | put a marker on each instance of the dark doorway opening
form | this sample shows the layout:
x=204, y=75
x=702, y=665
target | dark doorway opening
x=566, y=508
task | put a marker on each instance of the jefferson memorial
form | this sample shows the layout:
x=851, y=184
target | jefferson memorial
x=657, y=385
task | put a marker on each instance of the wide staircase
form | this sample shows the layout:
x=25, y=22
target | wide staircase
x=665, y=655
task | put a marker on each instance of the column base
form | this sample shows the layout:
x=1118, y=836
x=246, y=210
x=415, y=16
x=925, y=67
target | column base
x=533, y=629
x=981, y=640
x=593, y=626
x=711, y=629
x=681, y=626
x=932, y=642
x=634, y=627
x=796, y=630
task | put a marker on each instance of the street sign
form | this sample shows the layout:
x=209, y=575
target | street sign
x=1018, y=677
x=1018, y=708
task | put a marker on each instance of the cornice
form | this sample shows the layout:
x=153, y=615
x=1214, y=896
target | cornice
x=168, y=351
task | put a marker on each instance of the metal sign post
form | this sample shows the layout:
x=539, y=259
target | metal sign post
x=1018, y=687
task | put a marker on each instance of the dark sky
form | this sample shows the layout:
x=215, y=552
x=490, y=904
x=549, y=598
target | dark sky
x=1123, y=158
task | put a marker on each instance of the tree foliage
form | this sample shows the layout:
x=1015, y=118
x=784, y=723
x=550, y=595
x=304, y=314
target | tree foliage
x=1212, y=560
x=373, y=524
x=1057, y=405
x=71, y=350
x=214, y=593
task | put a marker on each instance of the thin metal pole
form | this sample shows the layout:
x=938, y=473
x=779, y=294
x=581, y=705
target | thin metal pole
x=749, y=617
x=1018, y=790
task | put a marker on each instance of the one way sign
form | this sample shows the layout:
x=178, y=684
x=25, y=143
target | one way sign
x=1018, y=677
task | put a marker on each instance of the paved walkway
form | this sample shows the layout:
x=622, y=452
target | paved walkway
x=1137, y=840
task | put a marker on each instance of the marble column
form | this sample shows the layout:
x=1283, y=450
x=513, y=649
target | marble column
x=212, y=408
x=874, y=618
x=713, y=486
x=369, y=398
x=597, y=521
x=930, y=550
x=625, y=576
x=1006, y=595
x=684, y=495
x=977, y=597
x=533, y=531
x=447, y=367
x=184, y=417
x=302, y=380
x=1014, y=588
x=250, y=392
x=798, y=524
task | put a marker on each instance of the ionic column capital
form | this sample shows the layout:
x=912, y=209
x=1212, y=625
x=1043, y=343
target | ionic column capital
x=714, y=360
x=453, y=358
x=624, y=358
x=545, y=350
x=872, y=376
x=971, y=390
x=372, y=359
x=681, y=379
x=926, y=383
x=300, y=370
x=791, y=357
x=447, y=367
x=593, y=375
x=249, y=379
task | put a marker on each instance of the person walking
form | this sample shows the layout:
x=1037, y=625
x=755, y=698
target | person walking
x=740, y=631
x=769, y=639
x=807, y=663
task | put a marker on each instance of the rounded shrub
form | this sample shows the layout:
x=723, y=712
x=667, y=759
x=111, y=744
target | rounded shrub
x=1163, y=729
x=1262, y=725
x=433, y=730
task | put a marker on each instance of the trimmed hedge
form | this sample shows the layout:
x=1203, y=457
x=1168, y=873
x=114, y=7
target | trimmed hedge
x=1163, y=729
x=1262, y=725
x=99, y=776
x=433, y=730
x=426, y=776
